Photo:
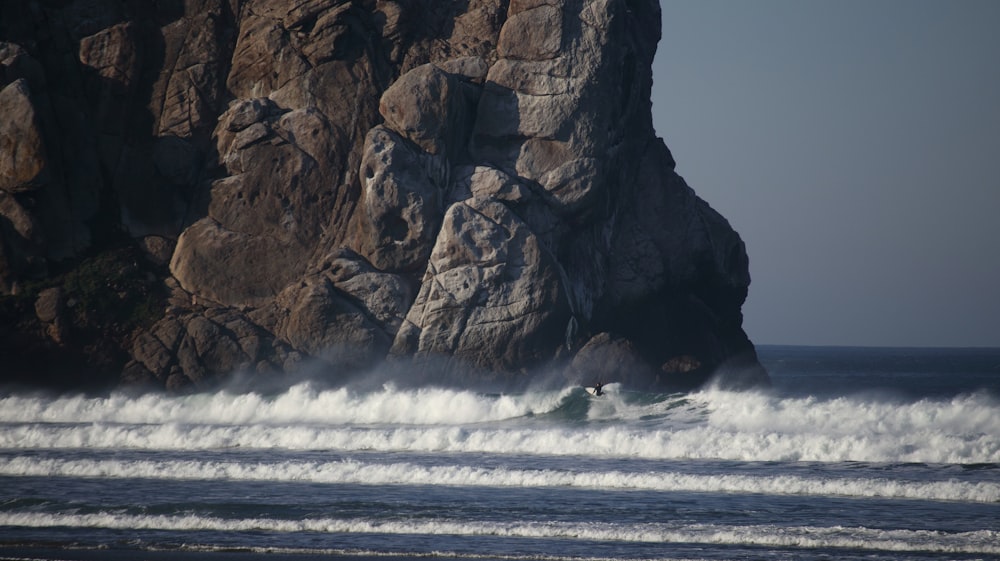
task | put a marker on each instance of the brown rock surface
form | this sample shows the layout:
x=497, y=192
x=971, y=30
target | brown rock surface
x=23, y=160
x=474, y=185
x=492, y=296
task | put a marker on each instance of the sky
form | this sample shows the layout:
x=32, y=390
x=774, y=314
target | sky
x=855, y=146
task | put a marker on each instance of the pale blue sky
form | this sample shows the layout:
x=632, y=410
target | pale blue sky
x=855, y=145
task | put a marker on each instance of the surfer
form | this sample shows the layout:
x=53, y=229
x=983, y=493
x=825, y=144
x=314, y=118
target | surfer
x=597, y=388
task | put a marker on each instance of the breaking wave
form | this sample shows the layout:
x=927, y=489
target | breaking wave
x=406, y=473
x=302, y=403
x=705, y=425
x=975, y=542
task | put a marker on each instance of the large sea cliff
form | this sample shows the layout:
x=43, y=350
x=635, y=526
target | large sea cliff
x=190, y=190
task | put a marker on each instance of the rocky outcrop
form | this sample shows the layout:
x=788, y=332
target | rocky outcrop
x=474, y=188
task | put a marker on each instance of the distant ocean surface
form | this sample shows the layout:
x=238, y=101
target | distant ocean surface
x=863, y=454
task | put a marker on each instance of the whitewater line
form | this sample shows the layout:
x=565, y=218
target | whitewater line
x=363, y=473
x=612, y=440
x=301, y=403
x=974, y=542
x=748, y=412
x=436, y=554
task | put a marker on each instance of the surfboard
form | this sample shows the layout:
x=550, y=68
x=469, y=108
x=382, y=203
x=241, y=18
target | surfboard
x=592, y=391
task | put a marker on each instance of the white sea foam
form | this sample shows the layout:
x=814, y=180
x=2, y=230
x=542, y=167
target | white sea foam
x=974, y=542
x=958, y=430
x=405, y=473
x=300, y=403
x=850, y=416
x=333, y=552
x=698, y=442
x=706, y=425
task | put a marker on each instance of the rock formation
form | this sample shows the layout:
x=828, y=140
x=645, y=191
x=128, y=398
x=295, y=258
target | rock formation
x=474, y=188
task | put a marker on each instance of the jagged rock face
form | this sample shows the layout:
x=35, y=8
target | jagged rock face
x=400, y=209
x=492, y=296
x=475, y=186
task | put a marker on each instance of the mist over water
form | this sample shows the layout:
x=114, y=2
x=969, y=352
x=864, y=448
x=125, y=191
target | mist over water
x=791, y=472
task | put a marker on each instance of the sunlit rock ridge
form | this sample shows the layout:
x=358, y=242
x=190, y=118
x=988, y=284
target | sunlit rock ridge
x=469, y=190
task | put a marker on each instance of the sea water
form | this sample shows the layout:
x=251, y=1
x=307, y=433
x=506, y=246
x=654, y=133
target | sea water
x=852, y=454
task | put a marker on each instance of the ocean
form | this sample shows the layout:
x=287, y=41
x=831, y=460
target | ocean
x=854, y=453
